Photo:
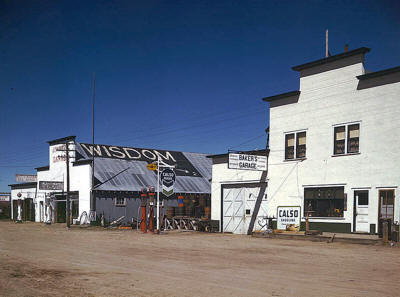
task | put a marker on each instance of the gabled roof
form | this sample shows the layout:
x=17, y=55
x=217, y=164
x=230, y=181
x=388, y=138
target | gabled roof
x=119, y=168
x=362, y=50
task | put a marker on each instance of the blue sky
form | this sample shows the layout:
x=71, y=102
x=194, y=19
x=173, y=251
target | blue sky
x=177, y=75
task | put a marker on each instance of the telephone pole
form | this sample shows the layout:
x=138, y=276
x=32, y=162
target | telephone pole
x=67, y=200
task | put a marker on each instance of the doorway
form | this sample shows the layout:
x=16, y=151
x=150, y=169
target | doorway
x=361, y=210
x=386, y=207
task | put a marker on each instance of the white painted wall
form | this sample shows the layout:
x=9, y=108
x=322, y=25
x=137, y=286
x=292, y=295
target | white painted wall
x=80, y=178
x=221, y=174
x=327, y=99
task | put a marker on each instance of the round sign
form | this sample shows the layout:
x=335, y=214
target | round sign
x=152, y=166
x=168, y=177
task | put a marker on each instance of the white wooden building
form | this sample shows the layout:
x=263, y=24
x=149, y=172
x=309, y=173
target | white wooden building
x=333, y=147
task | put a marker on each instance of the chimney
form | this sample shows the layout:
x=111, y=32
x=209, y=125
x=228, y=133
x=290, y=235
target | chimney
x=346, y=48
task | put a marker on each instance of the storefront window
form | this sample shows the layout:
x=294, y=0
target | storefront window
x=324, y=202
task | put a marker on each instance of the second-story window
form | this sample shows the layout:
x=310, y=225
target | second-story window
x=295, y=145
x=346, y=139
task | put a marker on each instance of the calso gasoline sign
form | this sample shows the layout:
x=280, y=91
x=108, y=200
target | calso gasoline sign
x=288, y=217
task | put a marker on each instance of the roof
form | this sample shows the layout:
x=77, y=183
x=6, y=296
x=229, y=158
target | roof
x=362, y=50
x=379, y=73
x=119, y=168
x=61, y=140
x=23, y=185
x=280, y=96
x=43, y=168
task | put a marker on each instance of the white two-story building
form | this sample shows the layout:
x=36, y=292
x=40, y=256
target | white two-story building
x=333, y=152
x=334, y=145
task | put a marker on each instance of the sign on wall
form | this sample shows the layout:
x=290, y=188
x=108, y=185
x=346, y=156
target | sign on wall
x=24, y=178
x=168, y=180
x=247, y=162
x=4, y=197
x=288, y=216
x=51, y=185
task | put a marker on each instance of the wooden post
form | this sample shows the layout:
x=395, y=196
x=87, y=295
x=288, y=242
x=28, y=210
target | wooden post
x=385, y=231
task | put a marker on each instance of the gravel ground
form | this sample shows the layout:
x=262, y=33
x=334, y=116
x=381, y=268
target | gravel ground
x=40, y=260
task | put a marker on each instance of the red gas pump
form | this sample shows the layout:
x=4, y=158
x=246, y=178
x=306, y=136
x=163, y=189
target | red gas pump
x=151, y=209
x=143, y=224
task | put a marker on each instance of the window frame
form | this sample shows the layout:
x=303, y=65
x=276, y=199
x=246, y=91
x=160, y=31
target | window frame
x=119, y=204
x=330, y=201
x=295, y=141
x=346, y=139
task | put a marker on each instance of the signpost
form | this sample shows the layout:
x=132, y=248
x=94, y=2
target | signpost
x=168, y=180
x=288, y=215
x=247, y=162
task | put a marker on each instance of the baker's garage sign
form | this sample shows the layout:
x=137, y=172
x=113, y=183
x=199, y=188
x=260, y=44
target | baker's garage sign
x=247, y=162
x=288, y=217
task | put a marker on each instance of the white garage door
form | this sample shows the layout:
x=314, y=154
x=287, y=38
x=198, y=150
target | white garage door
x=238, y=206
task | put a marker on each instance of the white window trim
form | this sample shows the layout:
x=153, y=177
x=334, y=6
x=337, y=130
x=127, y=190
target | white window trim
x=295, y=144
x=346, y=125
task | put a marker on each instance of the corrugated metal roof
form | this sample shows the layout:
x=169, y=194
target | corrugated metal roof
x=116, y=170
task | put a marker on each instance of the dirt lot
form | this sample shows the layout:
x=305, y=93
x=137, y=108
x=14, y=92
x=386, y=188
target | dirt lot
x=40, y=260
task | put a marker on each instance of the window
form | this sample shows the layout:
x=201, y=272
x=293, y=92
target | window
x=324, y=202
x=120, y=201
x=295, y=145
x=346, y=139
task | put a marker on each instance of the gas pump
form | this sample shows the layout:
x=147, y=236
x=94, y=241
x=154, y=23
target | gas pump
x=143, y=224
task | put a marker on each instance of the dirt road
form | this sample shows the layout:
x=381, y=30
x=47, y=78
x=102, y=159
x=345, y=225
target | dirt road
x=40, y=260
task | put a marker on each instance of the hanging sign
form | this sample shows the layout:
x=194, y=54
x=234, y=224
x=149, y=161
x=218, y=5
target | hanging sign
x=288, y=216
x=168, y=180
x=24, y=178
x=152, y=166
x=51, y=185
x=247, y=162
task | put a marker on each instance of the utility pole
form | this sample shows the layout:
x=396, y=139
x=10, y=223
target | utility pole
x=326, y=44
x=92, y=198
x=67, y=200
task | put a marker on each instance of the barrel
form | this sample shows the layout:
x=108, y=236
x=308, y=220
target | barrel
x=170, y=212
x=179, y=211
x=189, y=210
x=207, y=212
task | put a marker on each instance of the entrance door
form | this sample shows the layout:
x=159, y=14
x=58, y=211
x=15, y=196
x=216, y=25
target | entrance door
x=361, y=206
x=386, y=206
x=233, y=210
x=238, y=202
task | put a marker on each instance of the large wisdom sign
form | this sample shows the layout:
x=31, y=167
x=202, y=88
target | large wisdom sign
x=247, y=162
x=173, y=158
x=288, y=215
